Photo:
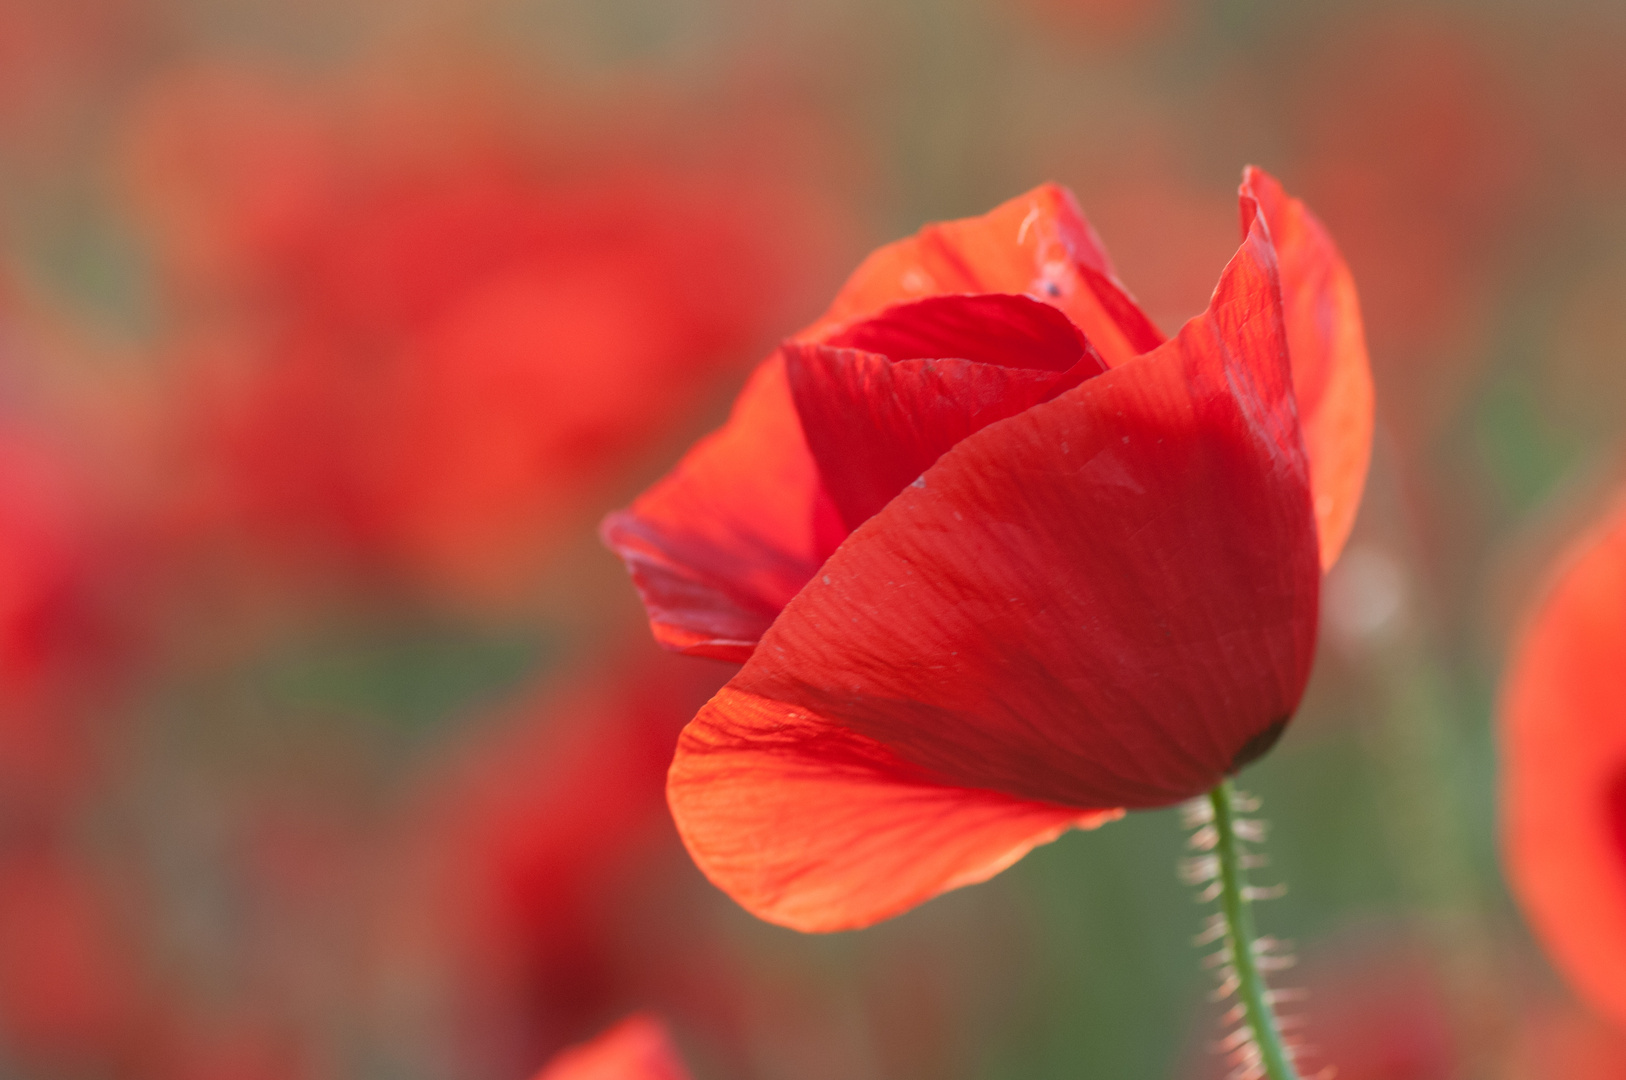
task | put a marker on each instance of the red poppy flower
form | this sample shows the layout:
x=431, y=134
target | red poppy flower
x=1000, y=558
x=638, y=1048
x=1564, y=768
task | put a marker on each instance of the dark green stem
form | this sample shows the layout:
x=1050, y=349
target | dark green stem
x=1236, y=905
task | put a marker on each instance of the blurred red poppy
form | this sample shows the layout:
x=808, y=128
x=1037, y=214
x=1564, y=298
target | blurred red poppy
x=1563, y=720
x=420, y=342
x=904, y=548
x=61, y=645
x=638, y=1048
x=539, y=866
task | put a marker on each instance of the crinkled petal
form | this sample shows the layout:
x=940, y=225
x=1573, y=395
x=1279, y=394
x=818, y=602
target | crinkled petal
x=1107, y=600
x=1564, y=769
x=876, y=422
x=817, y=828
x=638, y=1048
x=1332, y=376
x=1038, y=244
x=720, y=544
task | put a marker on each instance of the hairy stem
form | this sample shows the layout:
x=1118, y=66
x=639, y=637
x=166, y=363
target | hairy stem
x=1236, y=905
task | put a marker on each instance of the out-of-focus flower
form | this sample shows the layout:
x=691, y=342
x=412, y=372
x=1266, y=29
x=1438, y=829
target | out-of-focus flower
x=638, y=1048
x=438, y=336
x=69, y=566
x=52, y=641
x=1563, y=722
x=536, y=866
x=1157, y=494
x=229, y=174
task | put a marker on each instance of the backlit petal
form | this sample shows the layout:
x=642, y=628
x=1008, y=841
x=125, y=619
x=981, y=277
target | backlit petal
x=817, y=828
x=1038, y=244
x=1332, y=378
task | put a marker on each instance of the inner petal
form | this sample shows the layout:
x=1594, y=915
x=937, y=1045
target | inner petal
x=996, y=328
x=883, y=399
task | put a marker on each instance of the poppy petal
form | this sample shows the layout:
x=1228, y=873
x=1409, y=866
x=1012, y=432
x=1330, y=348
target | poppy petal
x=1038, y=244
x=876, y=422
x=1564, y=769
x=720, y=544
x=1001, y=329
x=1332, y=376
x=638, y=1048
x=1107, y=600
x=817, y=828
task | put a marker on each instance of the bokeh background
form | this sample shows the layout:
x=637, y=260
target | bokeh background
x=332, y=742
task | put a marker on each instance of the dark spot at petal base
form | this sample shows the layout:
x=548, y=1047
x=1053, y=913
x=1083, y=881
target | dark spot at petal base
x=1255, y=748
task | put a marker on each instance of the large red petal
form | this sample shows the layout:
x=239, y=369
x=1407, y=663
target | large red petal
x=1038, y=244
x=817, y=828
x=1564, y=769
x=1103, y=601
x=876, y=422
x=1332, y=377
x=720, y=545
x=638, y=1048
x=1107, y=600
